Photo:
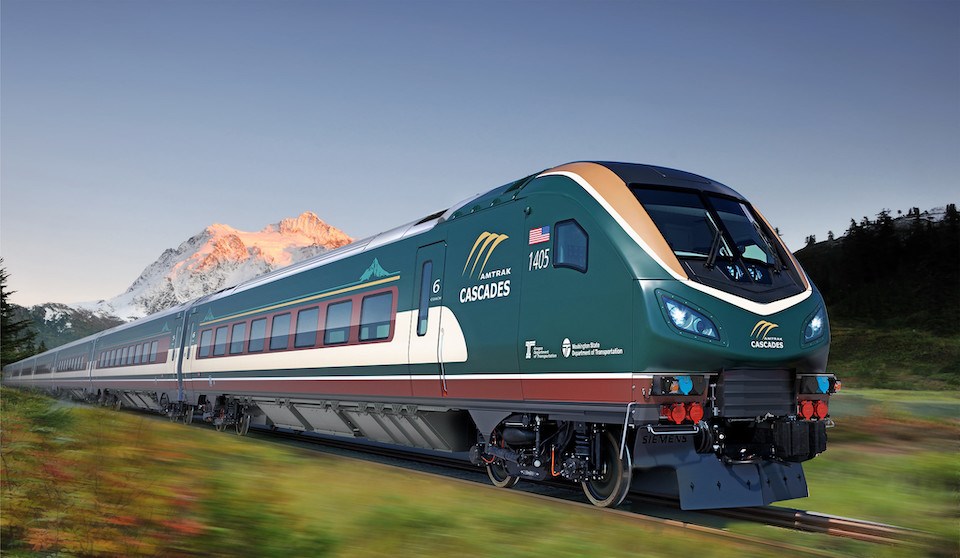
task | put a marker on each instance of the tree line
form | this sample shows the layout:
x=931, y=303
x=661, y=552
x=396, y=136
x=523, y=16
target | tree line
x=17, y=337
x=891, y=272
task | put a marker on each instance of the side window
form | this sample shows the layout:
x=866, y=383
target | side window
x=123, y=356
x=237, y=337
x=220, y=342
x=205, y=338
x=130, y=353
x=146, y=353
x=307, y=322
x=570, y=246
x=375, y=313
x=258, y=330
x=153, y=352
x=424, y=312
x=279, y=332
x=337, y=329
x=138, y=355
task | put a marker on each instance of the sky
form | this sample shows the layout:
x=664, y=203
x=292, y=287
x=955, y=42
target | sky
x=127, y=127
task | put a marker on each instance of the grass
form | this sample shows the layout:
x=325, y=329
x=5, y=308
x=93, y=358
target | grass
x=892, y=458
x=90, y=482
x=903, y=359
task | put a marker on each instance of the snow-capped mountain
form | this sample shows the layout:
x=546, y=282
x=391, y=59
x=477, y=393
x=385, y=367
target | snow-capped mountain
x=218, y=257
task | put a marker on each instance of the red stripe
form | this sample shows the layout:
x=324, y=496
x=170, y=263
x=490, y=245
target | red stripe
x=573, y=390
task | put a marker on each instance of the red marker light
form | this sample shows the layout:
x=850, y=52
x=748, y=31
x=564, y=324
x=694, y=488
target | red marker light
x=837, y=385
x=695, y=412
x=806, y=409
x=821, y=409
x=678, y=412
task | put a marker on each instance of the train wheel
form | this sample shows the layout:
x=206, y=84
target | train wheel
x=243, y=425
x=117, y=404
x=612, y=487
x=499, y=476
x=188, y=414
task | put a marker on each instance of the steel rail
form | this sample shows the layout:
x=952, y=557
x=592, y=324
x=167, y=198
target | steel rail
x=788, y=518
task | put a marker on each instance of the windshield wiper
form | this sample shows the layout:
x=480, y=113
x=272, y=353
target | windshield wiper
x=714, y=250
x=777, y=263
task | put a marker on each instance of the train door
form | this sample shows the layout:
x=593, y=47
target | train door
x=425, y=353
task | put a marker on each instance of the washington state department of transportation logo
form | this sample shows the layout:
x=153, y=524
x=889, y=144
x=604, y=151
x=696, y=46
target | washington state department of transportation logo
x=761, y=338
x=566, y=347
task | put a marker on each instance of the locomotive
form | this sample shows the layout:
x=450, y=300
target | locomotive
x=607, y=324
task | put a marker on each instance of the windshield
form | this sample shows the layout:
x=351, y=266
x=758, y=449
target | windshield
x=707, y=226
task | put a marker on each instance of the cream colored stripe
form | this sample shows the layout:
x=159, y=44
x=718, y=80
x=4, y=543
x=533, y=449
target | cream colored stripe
x=748, y=305
x=619, y=198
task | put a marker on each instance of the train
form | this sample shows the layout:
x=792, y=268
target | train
x=612, y=325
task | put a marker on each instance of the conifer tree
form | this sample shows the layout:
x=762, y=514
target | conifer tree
x=16, y=336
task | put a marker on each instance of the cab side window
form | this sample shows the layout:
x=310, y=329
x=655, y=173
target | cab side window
x=570, y=246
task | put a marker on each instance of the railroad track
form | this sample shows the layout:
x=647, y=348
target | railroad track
x=787, y=518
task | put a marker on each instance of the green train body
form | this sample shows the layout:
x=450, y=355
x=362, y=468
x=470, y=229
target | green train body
x=606, y=323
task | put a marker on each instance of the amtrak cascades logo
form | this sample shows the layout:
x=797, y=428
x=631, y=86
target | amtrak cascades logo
x=761, y=338
x=494, y=283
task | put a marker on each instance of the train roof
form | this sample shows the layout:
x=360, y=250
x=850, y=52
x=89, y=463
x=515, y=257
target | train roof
x=630, y=173
x=634, y=173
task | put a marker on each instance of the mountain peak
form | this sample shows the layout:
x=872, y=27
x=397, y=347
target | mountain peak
x=313, y=228
x=220, y=256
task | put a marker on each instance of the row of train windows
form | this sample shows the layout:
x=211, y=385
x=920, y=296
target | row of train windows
x=376, y=318
x=72, y=363
x=134, y=354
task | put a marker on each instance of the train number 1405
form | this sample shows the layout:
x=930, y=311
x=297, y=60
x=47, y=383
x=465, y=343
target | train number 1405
x=539, y=259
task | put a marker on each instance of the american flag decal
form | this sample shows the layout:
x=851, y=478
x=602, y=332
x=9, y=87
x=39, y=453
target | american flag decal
x=540, y=234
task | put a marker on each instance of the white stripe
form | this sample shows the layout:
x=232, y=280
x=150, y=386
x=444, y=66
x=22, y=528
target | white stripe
x=740, y=302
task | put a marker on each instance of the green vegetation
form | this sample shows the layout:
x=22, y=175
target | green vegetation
x=892, y=273
x=892, y=288
x=913, y=359
x=57, y=324
x=16, y=337
x=88, y=482
x=892, y=458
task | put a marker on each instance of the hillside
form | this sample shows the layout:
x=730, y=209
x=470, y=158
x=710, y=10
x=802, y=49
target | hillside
x=56, y=324
x=892, y=288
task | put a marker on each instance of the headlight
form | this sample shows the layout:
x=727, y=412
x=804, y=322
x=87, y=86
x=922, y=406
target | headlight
x=688, y=320
x=815, y=326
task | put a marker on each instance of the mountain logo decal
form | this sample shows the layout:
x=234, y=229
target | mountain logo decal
x=376, y=271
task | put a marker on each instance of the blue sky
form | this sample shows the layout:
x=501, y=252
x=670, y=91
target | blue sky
x=127, y=127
